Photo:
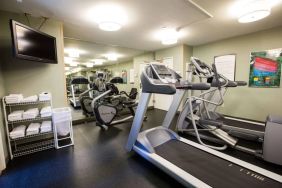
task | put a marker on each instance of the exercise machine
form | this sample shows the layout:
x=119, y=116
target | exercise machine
x=108, y=105
x=246, y=129
x=78, y=86
x=107, y=110
x=190, y=163
x=195, y=114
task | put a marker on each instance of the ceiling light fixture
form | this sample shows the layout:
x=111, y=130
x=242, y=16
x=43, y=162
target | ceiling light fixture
x=169, y=36
x=109, y=17
x=251, y=10
x=89, y=65
x=99, y=61
x=67, y=68
x=74, y=53
x=112, y=56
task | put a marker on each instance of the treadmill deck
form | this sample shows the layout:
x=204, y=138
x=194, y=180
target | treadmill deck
x=244, y=125
x=211, y=169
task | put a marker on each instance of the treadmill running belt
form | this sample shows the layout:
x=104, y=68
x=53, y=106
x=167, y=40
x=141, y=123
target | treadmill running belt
x=211, y=169
x=243, y=125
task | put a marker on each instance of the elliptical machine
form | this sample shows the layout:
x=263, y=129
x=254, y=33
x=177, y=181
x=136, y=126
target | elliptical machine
x=192, y=120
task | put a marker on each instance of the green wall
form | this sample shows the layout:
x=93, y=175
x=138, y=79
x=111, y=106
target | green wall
x=29, y=77
x=245, y=102
x=146, y=57
x=176, y=52
x=18, y=74
x=3, y=145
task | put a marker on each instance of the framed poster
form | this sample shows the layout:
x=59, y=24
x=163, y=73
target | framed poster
x=226, y=65
x=265, y=68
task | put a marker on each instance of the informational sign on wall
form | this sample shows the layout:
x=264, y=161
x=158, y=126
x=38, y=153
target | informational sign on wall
x=226, y=65
x=131, y=76
x=265, y=68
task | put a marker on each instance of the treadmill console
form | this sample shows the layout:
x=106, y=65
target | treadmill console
x=164, y=74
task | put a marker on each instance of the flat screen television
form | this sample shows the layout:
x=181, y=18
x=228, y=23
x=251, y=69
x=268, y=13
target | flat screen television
x=33, y=45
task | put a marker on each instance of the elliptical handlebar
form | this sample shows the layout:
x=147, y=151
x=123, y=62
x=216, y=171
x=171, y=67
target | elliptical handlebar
x=202, y=69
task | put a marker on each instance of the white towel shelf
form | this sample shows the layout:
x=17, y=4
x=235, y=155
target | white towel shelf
x=27, y=103
x=32, y=148
x=38, y=118
x=31, y=143
x=33, y=135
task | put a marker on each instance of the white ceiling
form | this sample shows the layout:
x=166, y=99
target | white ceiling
x=90, y=51
x=145, y=18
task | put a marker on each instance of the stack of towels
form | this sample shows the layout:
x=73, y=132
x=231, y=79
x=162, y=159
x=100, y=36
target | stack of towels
x=16, y=115
x=33, y=128
x=32, y=98
x=14, y=98
x=18, y=132
x=31, y=113
x=45, y=96
x=46, y=111
x=46, y=126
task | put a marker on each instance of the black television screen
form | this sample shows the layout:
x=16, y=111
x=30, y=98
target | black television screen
x=31, y=44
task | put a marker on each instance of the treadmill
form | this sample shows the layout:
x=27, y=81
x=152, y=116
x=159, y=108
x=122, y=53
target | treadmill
x=190, y=163
x=74, y=99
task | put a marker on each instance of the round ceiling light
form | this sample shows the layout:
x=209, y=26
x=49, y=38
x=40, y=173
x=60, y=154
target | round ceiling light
x=254, y=11
x=254, y=16
x=168, y=36
x=109, y=17
x=109, y=26
x=112, y=56
x=89, y=65
x=99, y=61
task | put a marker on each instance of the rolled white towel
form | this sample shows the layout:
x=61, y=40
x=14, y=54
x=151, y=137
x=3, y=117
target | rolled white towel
x=45, y=96
x=33, y=128
x=18, y=132
x=16, y=115
x=32, y=98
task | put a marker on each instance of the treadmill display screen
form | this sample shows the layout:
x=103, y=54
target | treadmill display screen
x=162, y=70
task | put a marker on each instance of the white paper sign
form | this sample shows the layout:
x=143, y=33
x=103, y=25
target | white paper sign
x=131, y=76
x=225, y=65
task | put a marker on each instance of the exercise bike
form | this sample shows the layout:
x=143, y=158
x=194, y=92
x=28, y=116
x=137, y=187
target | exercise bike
x=107, y=106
